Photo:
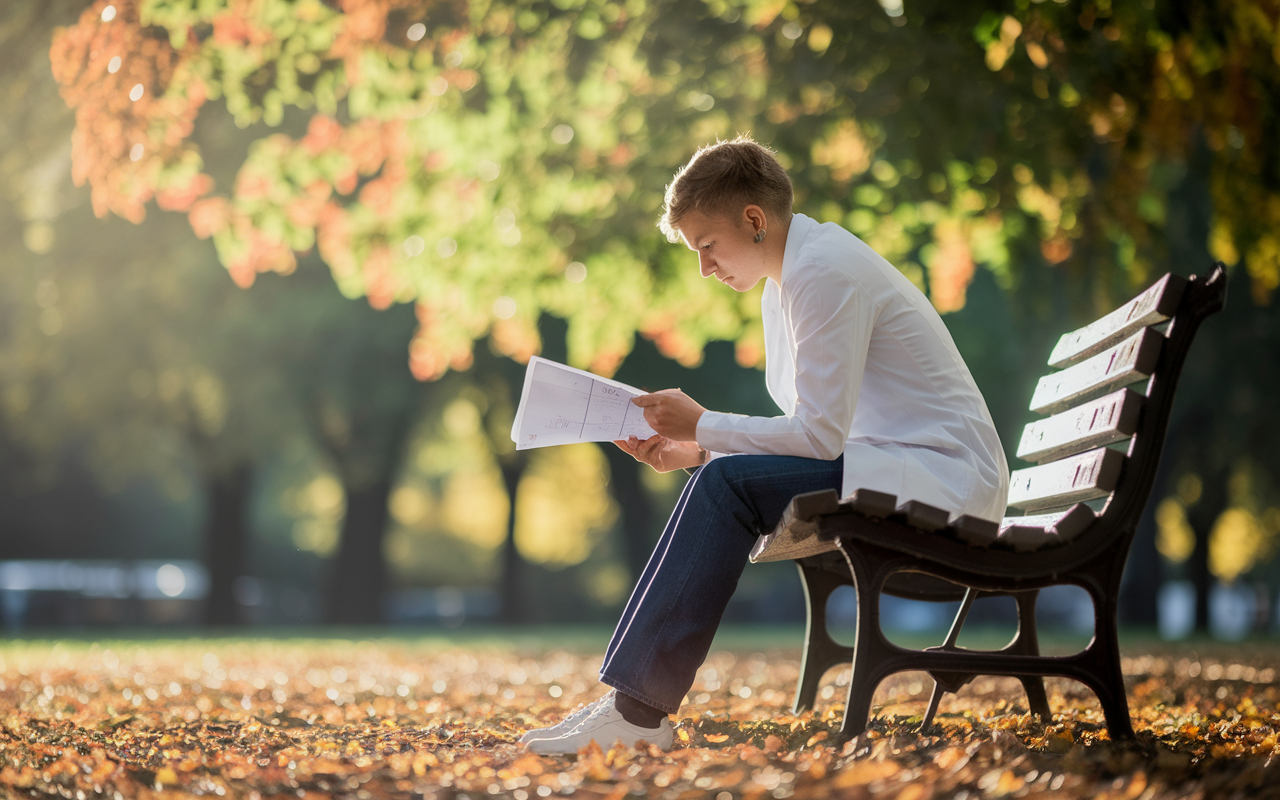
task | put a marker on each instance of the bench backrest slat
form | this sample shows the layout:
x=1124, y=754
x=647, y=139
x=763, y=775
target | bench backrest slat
x=1099, y=422
x=1072, y=480
x=1155, y=305
x=1132, y=360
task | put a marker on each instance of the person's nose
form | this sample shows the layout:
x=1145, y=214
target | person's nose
x=705, y=266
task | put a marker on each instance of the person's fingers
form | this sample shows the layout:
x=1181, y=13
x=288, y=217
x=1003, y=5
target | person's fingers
x=644, y=400
x=648, y=450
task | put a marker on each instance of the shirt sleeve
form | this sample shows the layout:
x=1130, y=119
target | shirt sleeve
x=832, y=319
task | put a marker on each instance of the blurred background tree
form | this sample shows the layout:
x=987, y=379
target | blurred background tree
x=491, y=172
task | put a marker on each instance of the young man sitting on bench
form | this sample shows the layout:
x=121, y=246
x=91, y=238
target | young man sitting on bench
x=874, y=395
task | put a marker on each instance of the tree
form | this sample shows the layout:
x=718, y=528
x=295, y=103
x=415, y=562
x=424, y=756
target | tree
x=492, y=163
x=344, y=370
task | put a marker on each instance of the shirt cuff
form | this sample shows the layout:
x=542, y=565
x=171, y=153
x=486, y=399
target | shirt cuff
x=714, y=432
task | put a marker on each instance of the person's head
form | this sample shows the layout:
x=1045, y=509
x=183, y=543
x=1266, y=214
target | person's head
x=722, y=204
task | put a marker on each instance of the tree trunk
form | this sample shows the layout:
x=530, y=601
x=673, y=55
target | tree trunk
x=516, y=603
x=359, y=571
x=636, y=506
x=1201, y=516
x=226, y=541
x=1144, y=570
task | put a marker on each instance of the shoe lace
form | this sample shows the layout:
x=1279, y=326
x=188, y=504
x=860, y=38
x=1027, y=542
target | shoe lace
x=600, y=707
x=586, y=710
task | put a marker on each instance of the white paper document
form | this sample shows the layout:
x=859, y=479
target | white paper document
x=563, y=405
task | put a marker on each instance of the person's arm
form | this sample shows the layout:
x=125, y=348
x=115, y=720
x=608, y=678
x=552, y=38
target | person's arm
x=833, y=320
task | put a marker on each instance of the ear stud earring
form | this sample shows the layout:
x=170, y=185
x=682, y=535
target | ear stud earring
x=759, y=236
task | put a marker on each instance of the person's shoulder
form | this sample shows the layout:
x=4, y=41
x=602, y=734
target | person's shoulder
x=831, y=253
x=832, y=256
x=831, y=242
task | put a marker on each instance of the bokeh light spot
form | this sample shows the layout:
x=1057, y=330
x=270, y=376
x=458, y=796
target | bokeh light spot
x=576, y=272
x=504, y=308
x=108, y=13
x=416, y=31
x=135, y=94
x=562, y=134
x=446, y=247
x=892, y=8
x=113, y=66
x=414, y=245
x=170, y=580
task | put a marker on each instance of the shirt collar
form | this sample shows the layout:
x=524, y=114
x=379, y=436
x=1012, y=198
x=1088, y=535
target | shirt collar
x=798, y=231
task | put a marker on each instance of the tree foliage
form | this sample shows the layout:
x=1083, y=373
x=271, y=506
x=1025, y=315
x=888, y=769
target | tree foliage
x=472, y=157
x=492, y=163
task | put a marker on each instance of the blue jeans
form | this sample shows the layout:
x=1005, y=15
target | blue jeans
x=672, y=616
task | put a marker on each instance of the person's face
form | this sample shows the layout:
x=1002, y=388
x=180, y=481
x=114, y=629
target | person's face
x=726, y=247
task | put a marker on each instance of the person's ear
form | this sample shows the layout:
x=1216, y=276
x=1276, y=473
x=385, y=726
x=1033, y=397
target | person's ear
x=755, y=218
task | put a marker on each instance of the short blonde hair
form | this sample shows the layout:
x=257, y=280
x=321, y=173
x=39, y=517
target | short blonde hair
x=722, y=179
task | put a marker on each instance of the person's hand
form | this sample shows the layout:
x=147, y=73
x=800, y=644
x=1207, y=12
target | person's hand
x=672, y=413
x=661, y=453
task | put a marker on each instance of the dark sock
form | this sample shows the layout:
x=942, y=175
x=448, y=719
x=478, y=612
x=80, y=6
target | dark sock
x=638, y=713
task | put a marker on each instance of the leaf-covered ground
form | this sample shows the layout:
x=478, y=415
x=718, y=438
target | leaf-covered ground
x=396, y=719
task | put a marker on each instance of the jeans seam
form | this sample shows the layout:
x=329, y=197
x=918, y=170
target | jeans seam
x=651, y=580
x=642, y=586
x=647, y=659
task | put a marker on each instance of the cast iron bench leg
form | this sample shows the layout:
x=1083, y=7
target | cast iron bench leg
x=1108, y=680
x=821, y=653
x=1028, y=643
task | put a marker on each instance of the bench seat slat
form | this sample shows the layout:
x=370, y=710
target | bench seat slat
x=1071, y=480
x=1026, y=534
x=1153, y=306
x=924, y=516
x=975, y=531
x=1096, y=423
x=797, y=533
x=870, y=503
x=1132, y=360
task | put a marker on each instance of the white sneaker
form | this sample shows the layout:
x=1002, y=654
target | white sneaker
x=605, y=726
x=567, y=724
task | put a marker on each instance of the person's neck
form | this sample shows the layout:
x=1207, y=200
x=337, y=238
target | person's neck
x=776, y=248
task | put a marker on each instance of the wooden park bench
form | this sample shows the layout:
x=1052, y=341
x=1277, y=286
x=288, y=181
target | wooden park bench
x=1096, y=457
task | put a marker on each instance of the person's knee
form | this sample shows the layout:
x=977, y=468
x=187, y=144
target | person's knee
x=726, y=471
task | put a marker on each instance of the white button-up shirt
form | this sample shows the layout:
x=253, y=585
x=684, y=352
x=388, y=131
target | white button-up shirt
x=862, y=365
